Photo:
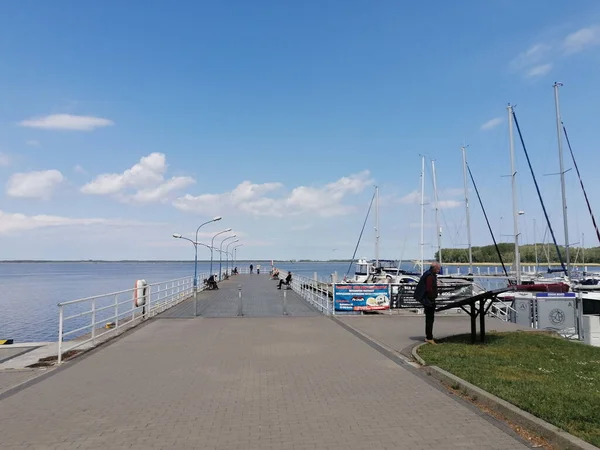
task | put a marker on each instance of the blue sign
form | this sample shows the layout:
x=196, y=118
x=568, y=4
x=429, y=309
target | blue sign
x=556, y=294
x=361, y=297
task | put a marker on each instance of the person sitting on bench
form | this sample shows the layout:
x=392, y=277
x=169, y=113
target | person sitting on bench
x=211, y=283
x=287, y=282
x=275, y=274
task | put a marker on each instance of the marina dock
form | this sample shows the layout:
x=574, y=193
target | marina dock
x=250, y=374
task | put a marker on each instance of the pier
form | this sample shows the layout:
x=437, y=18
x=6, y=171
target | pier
x=250, y=371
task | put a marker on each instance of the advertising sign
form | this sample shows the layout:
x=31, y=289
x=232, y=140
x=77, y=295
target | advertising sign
x=361, y=297
x=556, y=310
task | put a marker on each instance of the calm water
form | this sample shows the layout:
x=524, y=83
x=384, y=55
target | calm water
x=29, y=292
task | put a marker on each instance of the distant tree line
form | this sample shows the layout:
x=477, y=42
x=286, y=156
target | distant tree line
x=488, y=254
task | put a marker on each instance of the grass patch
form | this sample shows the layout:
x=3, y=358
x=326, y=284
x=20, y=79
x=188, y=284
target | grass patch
x=545, y=375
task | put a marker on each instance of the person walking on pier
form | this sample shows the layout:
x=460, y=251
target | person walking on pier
x=425, y=293
x=251, y=268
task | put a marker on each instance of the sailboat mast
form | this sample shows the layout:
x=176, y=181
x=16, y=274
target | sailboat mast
x=377, y=226
x=514, y=193
x=535, y=248
x=464, y=157
x=422, y=210
x=582, y=252
x=562, y=178
x=437, y=212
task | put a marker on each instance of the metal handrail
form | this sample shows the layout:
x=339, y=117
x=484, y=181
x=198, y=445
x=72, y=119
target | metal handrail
x=117, y=292
x=159, y=297
x=308, y=289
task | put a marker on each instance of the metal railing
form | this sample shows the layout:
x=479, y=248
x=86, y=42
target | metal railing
x=89, y=319
x=312, y=291
x=502, y=310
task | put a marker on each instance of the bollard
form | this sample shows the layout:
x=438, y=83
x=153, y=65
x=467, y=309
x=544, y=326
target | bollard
x=240, y=306
x=285, y=313
x=196, y=300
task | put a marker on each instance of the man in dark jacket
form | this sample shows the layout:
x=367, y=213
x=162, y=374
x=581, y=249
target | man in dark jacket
x=426, y=292
x=287, y=281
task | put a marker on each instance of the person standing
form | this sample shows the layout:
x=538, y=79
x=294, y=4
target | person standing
x=258, y=269
x=425, y=293
x=251, y=268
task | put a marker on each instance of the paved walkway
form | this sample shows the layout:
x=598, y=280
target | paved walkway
x=260, y=298
x=242, y=383
x=401, y=333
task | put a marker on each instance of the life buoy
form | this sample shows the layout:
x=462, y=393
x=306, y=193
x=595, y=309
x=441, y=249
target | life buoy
x=140, y=292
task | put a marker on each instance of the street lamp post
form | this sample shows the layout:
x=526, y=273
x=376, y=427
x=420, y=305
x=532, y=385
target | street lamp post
x=221, y=255
x=196, y=251
x=234, y=249
x=227, y=255
x=212, y=245
x=195, y=244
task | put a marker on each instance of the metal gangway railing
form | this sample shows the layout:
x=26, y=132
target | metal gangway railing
x=90, y=319
x=313, y=290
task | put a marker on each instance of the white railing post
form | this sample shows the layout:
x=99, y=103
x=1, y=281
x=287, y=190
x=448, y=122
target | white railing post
x=60, y=332
x=94, y=322
x=116, y=311
x=148, y=305
x=332, y=300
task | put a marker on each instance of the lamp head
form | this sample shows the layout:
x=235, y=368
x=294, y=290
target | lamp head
x=217, y=218
x=228, y=229
x=176, y=236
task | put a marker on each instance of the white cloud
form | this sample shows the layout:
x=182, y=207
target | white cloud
x=146, y=178
x=247, y=197
x=581, y=39
x=79, y=169
x=448, y=204
x=33, y=143
x=327, y=201
x=538, y=71
x=411, y=198
x=541, y=58
x=535, y=55
x=66, y=122
x=4, y=160
x=493, y=123
x=40, y=184
x=250, y=198
x=15, y=222
x=161, y=192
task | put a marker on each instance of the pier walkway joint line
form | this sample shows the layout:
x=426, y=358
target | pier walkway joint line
x=242, y=383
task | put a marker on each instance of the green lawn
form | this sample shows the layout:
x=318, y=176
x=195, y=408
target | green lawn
x=550, y=377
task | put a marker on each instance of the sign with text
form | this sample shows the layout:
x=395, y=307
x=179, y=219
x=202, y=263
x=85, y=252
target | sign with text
x=556, y=311
x=361, y=297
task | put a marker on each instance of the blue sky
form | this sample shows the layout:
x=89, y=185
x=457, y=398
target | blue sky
x=124, y=122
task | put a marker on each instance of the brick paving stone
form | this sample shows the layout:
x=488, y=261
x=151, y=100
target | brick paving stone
x=242, y=383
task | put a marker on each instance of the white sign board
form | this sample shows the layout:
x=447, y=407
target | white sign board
x=523, y=314
x=556, y=311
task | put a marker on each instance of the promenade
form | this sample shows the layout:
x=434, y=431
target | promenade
x=261, y=380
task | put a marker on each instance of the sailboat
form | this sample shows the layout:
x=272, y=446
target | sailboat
x=449, y=286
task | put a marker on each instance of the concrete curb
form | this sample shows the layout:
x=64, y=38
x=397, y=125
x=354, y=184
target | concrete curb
x=416, y=356
x=560, y=438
